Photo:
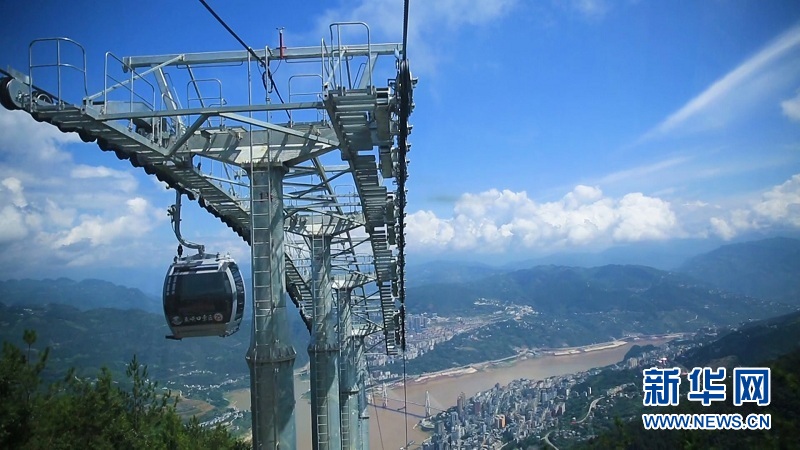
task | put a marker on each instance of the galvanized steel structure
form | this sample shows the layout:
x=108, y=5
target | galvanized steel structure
x=308, y=182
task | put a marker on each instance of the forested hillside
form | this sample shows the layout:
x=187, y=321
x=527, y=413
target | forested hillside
x=83, y=295
x=105, y=337
x=768, y=268
x=98, y=412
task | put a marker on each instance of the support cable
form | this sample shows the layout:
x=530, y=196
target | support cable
x=261, y=61
x=404, y=89
x=405, y=28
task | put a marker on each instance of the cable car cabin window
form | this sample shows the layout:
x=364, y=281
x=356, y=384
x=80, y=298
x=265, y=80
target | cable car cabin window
x=201, y=297
x=239, y=284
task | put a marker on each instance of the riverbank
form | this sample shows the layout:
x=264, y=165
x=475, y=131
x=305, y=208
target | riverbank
x=444, y=387
x=525, y=354
x=390, y=426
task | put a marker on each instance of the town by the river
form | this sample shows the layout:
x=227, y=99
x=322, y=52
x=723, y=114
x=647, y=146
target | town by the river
x=389, y=426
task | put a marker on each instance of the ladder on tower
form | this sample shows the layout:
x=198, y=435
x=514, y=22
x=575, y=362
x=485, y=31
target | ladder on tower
x=299, y=291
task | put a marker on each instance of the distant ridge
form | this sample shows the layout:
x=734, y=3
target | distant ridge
x=565, y=289
x=768, y=268
x=436, y=272
x=751, y=344
x=91, y=337
x=83, y=295
x=107, y=337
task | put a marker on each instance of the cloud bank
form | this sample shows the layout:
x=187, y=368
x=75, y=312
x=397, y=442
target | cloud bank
x=55, y=212
x=778, y=207
x=505, y=221
x=495, y=221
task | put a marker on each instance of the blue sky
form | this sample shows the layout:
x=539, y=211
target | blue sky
x=540, y=127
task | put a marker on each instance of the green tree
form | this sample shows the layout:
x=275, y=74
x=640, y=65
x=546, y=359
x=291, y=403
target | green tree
x=86, y=413
x=19, y=381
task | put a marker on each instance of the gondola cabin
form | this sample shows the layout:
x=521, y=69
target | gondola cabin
x=203, y=296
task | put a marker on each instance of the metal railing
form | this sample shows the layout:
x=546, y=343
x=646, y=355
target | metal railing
x=205, y=101
x=128, y=84
x=316, y=95
x=58, y=65
x=338, y=54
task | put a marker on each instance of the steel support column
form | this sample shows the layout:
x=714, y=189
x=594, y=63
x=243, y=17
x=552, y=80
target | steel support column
x=323, y=351
x=271, y=355
x=348, y=392
x=349, y=380
x=363, y=404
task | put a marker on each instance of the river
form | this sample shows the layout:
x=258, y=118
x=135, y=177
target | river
x=388, y=426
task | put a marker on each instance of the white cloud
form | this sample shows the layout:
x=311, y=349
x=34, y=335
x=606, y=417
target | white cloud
x=507, y=221
x=124, y=181
x=695, y=204
x=386, y=16
x=14, y=187
x=643, y=218
x=35, y=232
x=778, y=207
x=12, y=224
x=791, y=108
x=427, y=230
x=590, y=9
x=26, y=140
x=722, y=228
x=55, y=213
x=640, y=172
x=753, y=71
x=16, y=217
x=497, y=220
x=460, y=12
x=135, y=220
x=59, y=216
x=781, y=204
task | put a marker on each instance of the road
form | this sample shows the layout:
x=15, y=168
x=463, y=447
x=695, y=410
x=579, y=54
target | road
x=546, y=440
x=591, y=407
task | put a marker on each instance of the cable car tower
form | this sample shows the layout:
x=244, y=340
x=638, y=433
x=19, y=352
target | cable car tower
x=307, y=165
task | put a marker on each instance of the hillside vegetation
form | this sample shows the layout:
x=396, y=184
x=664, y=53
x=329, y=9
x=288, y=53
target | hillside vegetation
x=567, y=290
x=750, y=344
x=83, y=295
x=106, y=337
x=578, y=306
x=92, y=413
x=768, y=268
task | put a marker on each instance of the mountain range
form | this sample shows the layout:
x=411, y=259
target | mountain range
x=91, y=339
x=83, y=295
x=749, y=344
x=578, y=306
x=105, y=323
x=766, y=270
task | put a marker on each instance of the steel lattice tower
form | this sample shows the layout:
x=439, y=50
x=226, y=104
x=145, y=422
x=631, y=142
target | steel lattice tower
x=308, y=182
